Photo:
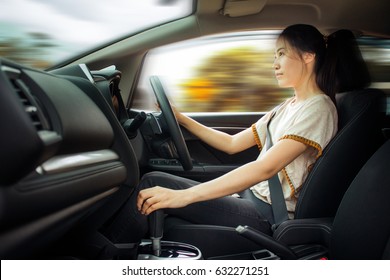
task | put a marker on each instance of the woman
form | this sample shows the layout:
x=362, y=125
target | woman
x=300, y=129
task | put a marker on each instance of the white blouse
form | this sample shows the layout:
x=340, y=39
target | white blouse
x=312, y=122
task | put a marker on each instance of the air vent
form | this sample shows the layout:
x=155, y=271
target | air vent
x=30, y=104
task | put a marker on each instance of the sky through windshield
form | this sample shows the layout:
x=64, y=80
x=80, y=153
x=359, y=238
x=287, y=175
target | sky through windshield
x=56, y=29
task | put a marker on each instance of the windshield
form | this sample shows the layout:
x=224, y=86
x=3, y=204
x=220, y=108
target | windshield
x=41, y=33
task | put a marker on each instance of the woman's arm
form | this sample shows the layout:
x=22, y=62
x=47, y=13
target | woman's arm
x=230, y=144
x=280, y=155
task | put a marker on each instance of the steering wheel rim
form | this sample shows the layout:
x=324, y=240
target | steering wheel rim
x=173, y=126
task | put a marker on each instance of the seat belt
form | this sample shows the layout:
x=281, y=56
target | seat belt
x=278, y=203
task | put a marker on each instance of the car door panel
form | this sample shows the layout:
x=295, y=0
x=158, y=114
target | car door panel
x=209, y=162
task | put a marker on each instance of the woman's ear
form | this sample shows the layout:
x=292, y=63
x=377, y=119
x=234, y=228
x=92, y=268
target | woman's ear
x=308, y=57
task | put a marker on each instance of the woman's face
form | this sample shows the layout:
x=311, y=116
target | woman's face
x=288, y=65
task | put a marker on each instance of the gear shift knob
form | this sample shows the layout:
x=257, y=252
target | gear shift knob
x=156, y=225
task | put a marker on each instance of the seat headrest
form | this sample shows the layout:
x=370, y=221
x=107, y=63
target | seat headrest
x=352, y=103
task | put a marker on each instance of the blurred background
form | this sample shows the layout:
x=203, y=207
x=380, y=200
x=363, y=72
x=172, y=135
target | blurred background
x=225, y=73
x=233, y=72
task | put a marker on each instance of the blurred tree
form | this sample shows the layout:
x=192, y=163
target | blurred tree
x=31, y=49
x=238, y=79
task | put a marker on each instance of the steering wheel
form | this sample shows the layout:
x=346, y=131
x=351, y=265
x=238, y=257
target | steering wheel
x=173, y=126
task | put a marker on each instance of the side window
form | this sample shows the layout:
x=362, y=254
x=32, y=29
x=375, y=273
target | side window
x=376, y=53
x=232, y=73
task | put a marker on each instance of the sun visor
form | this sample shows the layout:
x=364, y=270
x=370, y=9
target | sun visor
x=239, y=8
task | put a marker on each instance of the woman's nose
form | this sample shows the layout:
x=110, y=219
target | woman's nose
x=275, y=65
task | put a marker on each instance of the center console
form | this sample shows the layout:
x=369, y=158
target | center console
x=169, y=251
x=156, y=249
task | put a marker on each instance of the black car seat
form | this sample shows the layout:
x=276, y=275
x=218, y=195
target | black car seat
x=361, y=229
x=359, y=136
x=361, y=226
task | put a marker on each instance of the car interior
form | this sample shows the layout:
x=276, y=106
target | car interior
x=74, y=147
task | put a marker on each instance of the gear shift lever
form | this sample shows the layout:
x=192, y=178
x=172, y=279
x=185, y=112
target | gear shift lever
x=156, y=225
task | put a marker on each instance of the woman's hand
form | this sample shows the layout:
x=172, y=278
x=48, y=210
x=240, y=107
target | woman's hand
x=177, y=113
x=155, y=198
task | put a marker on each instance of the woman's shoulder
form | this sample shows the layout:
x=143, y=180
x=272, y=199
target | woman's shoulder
x=318, y=108
x=321, y=101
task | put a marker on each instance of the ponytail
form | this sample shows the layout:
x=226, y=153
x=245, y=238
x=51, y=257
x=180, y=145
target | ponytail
x=343, y=67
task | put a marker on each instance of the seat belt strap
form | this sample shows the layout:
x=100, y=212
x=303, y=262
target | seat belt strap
x=278, y=203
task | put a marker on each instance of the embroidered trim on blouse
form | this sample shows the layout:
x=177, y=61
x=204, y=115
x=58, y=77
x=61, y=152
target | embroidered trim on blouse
x=257, y=138
x=303, y=140
x=289, y=183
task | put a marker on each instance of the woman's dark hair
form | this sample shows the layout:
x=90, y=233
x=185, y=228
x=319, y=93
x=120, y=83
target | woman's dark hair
x=339, y=65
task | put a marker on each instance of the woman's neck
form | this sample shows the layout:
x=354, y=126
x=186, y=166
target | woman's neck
x=306, y=90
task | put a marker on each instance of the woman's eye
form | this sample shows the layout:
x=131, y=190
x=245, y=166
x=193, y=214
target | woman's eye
x=278, y=54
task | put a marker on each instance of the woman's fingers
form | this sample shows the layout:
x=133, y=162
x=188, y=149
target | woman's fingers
x=153, y=207
x=143, y=197
x=150, y=205
x=140, y=199
x=149, y=200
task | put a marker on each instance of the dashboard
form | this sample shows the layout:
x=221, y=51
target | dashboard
x=64, y=155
